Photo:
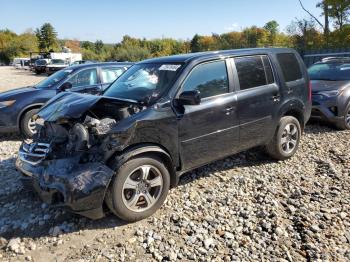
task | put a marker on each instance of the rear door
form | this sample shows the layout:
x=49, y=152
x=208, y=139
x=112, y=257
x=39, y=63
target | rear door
x=258, y=99
x=295, y=82
x=208, y=131
x=110, y=73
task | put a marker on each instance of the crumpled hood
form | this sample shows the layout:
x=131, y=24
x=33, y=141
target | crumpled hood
x=73, y=105
x=12, y=93
x=322, y=85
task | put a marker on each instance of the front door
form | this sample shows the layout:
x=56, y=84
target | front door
x=208, y=131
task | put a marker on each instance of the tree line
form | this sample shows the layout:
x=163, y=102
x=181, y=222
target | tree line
x=331, y=30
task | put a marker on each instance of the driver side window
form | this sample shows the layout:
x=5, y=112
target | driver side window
x=210, y=79
x=86, y=77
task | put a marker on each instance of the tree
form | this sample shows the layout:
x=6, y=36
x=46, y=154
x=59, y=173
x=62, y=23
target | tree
x=339, y=11
x=195, y=46
x=99, y=46
x=47, y=37
x=272, y=28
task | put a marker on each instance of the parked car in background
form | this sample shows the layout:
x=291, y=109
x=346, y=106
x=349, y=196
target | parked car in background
x=40, y=65
x=330, y=81
x=162, y=118
x=18, y=106
x=55, y=65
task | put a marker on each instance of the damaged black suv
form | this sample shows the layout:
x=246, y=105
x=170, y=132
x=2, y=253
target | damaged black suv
x=165, y=116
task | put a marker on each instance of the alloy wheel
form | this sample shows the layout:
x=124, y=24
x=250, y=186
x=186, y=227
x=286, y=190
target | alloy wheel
x=289, y=139
x=142, y=188
x=32, y=125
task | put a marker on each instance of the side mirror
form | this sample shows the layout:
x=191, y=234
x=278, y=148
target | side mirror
x=64, y=87
x=189, y=98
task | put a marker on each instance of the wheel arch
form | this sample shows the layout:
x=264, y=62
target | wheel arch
x=25, y=110
x=146, y=149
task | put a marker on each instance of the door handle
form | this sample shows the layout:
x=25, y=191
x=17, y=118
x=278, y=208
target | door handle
x=275, y=98
x=289, y=91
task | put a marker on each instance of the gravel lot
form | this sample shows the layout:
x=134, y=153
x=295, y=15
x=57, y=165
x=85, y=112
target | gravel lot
x=243, y=208
x=11, y=78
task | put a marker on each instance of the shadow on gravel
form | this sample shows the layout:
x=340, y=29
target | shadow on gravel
x=10, y=137
x=319, y=126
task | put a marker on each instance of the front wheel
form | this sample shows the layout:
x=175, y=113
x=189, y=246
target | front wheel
x=27, y=124
x=139, y=188
x=286, y=139
x=344, y=123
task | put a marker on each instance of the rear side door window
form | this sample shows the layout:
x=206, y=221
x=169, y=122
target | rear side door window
x=109, y=74
x=253, y=71
x=210, y=79
x=290, y=67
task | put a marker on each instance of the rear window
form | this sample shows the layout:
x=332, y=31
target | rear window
x=253, y=71
x=290, y=66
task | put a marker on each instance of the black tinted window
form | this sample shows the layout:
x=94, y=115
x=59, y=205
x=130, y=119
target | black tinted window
x=268, y=69
x=290, y=67
x=210, y=79
x=250, y=71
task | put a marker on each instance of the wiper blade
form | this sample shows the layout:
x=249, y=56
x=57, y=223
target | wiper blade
x=325, y=79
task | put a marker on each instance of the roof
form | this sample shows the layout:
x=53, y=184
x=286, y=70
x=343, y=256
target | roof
x=334, y=60
x=74, y=67
x=184, y=58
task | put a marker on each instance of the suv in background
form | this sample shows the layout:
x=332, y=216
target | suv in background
x=40, y=65
x=330, y=80
x=161, y=118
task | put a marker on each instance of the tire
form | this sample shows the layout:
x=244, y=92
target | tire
x=125, y=202
x=24, y=124
x=285, y=143
x=344, y=124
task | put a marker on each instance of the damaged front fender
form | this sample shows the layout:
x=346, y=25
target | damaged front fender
x=66, y=182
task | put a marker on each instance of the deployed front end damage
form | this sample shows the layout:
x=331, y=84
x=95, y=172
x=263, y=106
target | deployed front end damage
x=66, y=161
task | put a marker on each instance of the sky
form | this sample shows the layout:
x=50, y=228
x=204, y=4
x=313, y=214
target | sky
x=109, y=20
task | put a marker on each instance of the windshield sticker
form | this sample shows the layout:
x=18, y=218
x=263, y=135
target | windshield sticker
x=169, y=67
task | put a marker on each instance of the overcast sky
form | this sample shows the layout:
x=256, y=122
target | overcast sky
x=109, y=20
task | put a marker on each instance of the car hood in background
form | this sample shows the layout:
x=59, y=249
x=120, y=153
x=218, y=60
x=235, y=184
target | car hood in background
x=14, y=92
x=322, y=85
x=74, y=105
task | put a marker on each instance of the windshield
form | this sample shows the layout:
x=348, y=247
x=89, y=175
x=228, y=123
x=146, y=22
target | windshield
x=57, y=61
x=53, y=79
x=40, y=62
x=144, y=82
x=330, y=71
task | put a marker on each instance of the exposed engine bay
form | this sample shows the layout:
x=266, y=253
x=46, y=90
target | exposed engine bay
x=63, y=135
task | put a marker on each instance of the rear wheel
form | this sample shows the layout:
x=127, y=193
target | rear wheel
x=344, y=123
x=27, y=124
x=286, y=139
x=139, y=188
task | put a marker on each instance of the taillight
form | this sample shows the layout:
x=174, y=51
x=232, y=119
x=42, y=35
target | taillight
x=310, y=92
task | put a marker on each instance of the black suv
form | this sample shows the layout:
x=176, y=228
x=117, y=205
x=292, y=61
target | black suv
x=162, y=118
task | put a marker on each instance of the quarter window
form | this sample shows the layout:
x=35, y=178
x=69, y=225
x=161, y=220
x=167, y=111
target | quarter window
x=86, y=77
x=110, y=74
x=290, y=66
x=209, y=79
x=251, y=72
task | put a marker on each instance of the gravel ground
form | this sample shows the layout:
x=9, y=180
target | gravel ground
x=243, y=208
x=11, y=78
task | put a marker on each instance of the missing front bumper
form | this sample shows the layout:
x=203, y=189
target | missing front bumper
x=66, y=182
